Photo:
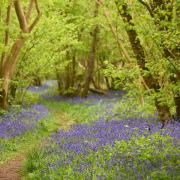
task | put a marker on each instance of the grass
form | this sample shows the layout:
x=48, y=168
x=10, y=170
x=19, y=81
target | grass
x=21, y=144
x=77, y=113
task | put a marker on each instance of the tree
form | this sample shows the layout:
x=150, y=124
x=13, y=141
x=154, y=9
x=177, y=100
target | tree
x=151, y=81
x=9, y=58
x=92, y=56
x=164, y=15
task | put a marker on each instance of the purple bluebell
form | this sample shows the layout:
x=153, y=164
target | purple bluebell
x=16, y=123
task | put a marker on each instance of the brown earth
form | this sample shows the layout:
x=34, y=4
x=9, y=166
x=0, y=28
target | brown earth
x=11, y=169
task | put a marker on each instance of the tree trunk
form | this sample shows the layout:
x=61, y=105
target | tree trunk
x=8, y=70
x=4, y=94
x=177, y=103
x=155, y=9
x=107, y=82
x=112, y=83
x=67, y=78
x=6, y=38
x=9, y=59
x=163, y=113
x=168, y=7
x=37, y=81
x=91, y=61
x=152, y=83
x=60, y=82
x=13, y=89
x=98, y=74
x=73, y=71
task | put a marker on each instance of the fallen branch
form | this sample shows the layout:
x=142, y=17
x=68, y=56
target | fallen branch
x=99, y=91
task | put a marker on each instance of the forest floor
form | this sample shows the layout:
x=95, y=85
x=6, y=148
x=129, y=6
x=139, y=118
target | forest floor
x=62, y=114
x=11, y=168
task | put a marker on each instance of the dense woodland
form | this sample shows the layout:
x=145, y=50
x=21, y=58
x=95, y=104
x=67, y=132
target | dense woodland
x=93, y=47
x=129, y=45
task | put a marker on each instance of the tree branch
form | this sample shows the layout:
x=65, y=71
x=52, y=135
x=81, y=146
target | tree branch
x=113, y=30
x=37, y=18
x=29, y=12
x=147, y=7
x=37, y=7
x=6, y=38
x=21, y=16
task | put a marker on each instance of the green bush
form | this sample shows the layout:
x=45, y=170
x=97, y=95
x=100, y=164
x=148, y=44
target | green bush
x=26, y=98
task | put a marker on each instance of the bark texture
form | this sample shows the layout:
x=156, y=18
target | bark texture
x=151, y=82
x=9, y=59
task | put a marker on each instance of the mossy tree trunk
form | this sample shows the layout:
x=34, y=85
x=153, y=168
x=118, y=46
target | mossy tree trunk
x=152, y=83
x=164, y=11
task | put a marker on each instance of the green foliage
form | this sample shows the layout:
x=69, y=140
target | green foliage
x=59, y=49
x=26, y=98
x=62, y=40
x=70, y=92
x=130, y=108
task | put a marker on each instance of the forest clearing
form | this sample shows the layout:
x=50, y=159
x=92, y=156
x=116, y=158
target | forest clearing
x=90, y=90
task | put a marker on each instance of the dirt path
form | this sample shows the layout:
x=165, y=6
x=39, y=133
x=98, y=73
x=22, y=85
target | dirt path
x=11, y=169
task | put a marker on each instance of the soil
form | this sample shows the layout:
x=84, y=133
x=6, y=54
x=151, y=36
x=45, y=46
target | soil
x=12, y=169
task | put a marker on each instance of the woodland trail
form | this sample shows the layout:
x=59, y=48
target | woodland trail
x=11, y=170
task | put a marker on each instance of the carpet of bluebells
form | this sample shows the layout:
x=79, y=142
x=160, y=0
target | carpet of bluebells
x=114, y=143
x=109, y=148
x=15, y=123
x=18, y=121
x=45, y=86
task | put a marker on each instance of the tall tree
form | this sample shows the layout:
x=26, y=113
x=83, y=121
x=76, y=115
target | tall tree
x=164, y=13
x=92, y=56
x=9, y=59
x=151, y=81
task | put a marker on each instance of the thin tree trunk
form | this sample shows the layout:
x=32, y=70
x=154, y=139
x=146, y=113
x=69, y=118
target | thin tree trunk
x=121, y=47
x=4, y=86
x=177, y=103
x=91, y=61
x=73, y=70
x=98, y=74
x=107, y=82
x=37, y=81
x=6, y=38
x=13, y=89
x=67, y=78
